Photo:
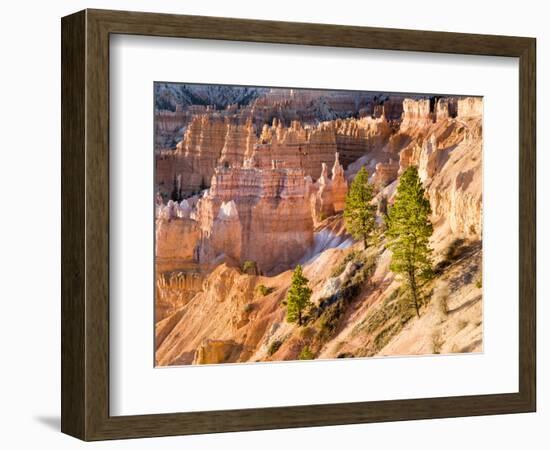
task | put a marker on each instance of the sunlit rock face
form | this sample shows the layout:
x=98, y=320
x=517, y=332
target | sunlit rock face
x=328, y=195
x=266, y=182
x=259, y=215
x=239, y=141
x=294, y=128
x=294, y=147
x=358, y=137
x=448, y=156
x=385, y=173
x=416, y=114
x=470, y=108
x=177, y=238
x=454, y=179
x=217, y=351
x=175, y=289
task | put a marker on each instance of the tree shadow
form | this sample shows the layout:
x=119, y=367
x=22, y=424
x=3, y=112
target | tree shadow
x=465, y=305
x=470, y=347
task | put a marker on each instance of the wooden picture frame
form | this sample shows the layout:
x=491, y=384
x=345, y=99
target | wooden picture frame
x=85, y=224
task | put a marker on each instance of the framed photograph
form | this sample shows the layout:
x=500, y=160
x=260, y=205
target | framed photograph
x=272, y=225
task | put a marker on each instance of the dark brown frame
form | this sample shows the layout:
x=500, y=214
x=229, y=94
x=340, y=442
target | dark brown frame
x=85, y=224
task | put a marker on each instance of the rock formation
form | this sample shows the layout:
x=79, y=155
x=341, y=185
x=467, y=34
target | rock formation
x=470, y=108
x=215, y=351
x=262, y=214
x=357, y=137
x=176, y=238
x=175, y=289
x=238, y=145
x=385, y=173
x=255, y=188
x=329, y=194
x=416, y=114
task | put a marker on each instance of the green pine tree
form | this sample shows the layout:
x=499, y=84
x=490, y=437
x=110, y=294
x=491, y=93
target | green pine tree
x=359, y=213
x=297, y=298
x=408, y=232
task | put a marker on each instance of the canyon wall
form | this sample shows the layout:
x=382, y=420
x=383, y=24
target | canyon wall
x=306, y=128
x=448, y=154
x=250, y=214
x=259, y=215
x=358, y=137
x=271, y=192
x=275, y=187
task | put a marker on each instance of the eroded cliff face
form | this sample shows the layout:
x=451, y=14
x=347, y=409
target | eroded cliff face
x=250, y=214
x=269, y=197
x=305, y=129
x=270, y=222
x=448, y=154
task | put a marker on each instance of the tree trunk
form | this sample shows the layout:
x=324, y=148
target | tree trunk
x=299, y=318
x=414, y=290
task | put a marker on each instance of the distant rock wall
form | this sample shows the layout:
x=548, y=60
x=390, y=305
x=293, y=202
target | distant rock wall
x=294, y=147
x=358, y=137
x=416, y=114
x=470, y=108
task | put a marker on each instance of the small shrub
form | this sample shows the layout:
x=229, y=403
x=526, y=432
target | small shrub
x=406, y=306
x=307, y=333
x=462, y=324
x=331, y=309
x=352, y=256
x=437, y=342
x=273, y=347
x=455, y=251
x=394, y=294
x=479, y=283
x=306, y=353
x=250, y=267
x=248, y=308
x=330, y=318
x=263, y=290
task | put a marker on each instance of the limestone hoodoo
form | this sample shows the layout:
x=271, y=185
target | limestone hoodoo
x=261, y=215
x=329, y=194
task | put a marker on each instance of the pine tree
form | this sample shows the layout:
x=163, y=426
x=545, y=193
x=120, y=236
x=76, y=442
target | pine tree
x=359, y=213
x=297, y=298
x=408, y=232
